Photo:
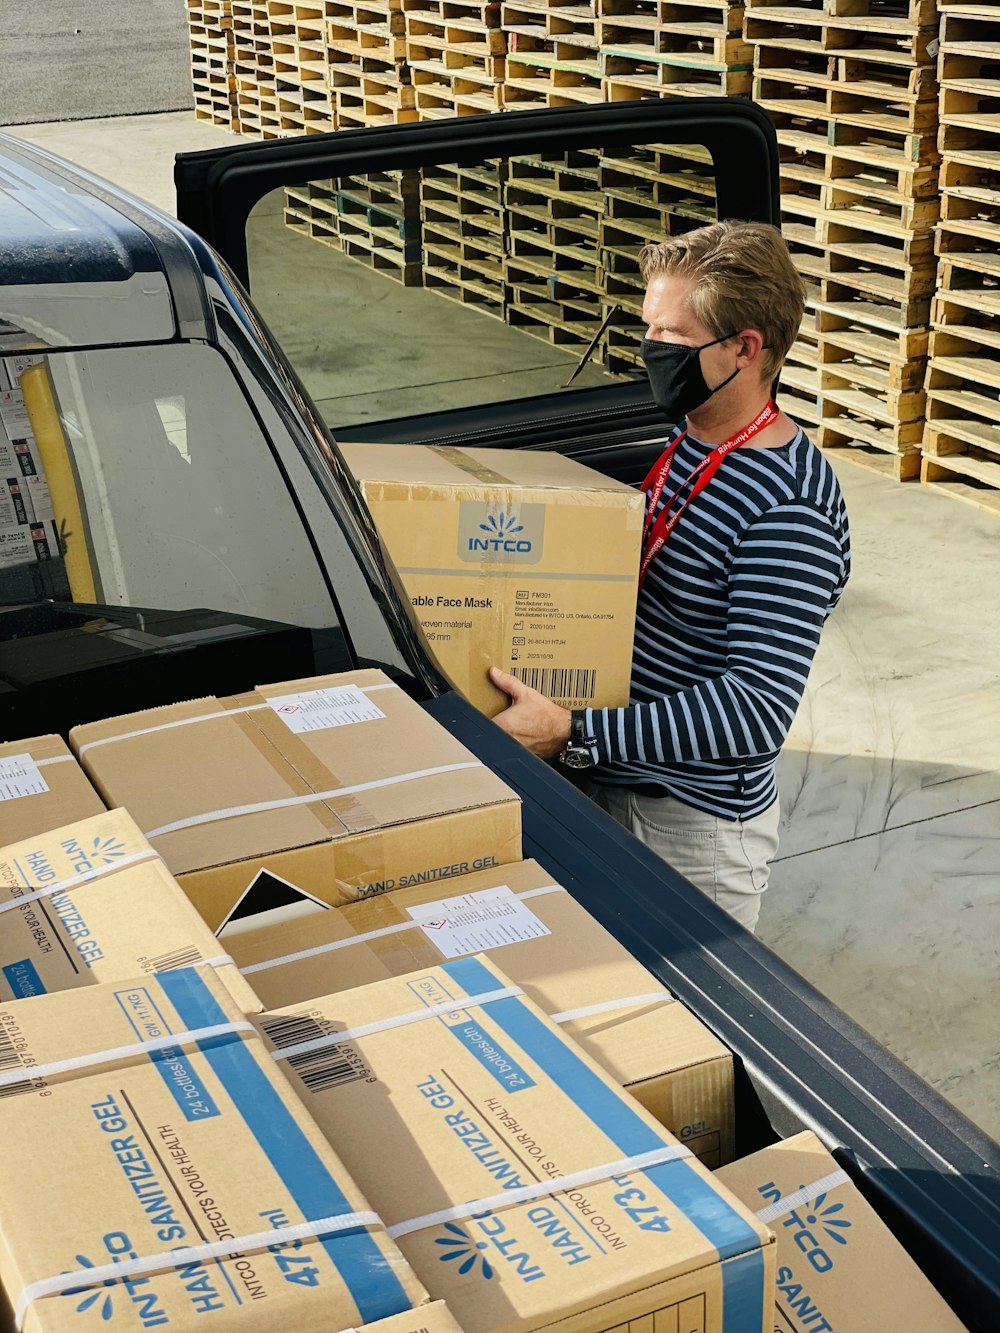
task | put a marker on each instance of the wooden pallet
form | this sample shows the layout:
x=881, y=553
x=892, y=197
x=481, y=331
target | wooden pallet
x=441, y=94
x=464, y=234
x=911, y=13
x=372, y=29
x=971, y=477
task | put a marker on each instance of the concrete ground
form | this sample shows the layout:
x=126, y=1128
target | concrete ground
x=75, y=58
x=886, y=891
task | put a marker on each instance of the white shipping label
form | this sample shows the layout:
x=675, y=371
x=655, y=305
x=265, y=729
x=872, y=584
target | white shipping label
x=15, y=414
x=475, y=922
x=19, y=776
x=316, y=710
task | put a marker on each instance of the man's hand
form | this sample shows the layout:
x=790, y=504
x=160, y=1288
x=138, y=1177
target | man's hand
x=540, y=725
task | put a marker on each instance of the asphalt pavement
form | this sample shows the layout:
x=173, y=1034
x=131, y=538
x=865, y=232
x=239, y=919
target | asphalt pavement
x=76, y=59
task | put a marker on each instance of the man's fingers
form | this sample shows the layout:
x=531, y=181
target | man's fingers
x=503, y=680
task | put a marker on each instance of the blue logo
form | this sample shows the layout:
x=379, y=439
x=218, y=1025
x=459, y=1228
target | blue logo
x=91, y=1295
x=827, y=1216
x=507, y=534
x=108, y=849
x=464, y=1250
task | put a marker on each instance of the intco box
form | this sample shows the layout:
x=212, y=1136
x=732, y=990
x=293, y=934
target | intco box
x=341, y=784
x=840, y=1269
x=512, y=558
x=523, y=1186
x=92, y=902
x=154, y=1160
x=42, y=787
x=545, y=942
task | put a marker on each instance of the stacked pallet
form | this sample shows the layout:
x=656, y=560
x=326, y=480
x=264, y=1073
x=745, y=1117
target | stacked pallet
x=647, y=194
x=852, y=88
x=455, y=53
x=464, y=234
x=213, y=61
x=962, y=435
x=301, y=101
x=552, y=214
x=671, y=48
x=552, y=57
x=366, y=55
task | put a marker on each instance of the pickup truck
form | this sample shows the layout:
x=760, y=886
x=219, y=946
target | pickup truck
x=204, y=534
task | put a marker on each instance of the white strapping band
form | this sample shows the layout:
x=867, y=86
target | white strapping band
x=188, y=1254
x=56, y=759
x=169, y=726
x=543, y=1189
x=26, y=1073
x=612, y=1006
x=202, y=717
x=396, y=1021
x=220, y=960
x=233, y=812
x=802, y=1196
x=67, y=885
x=365, y=936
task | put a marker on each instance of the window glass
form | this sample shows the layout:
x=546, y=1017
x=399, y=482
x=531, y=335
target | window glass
x=139, y=477
x=462, y=284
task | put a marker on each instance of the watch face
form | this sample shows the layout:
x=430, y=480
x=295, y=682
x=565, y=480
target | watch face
x=577, y=758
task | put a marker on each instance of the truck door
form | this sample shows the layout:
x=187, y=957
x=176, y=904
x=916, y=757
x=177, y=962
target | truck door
x=475, y=280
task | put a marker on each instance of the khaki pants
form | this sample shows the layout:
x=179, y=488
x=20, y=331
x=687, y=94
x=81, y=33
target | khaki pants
x=729, y=861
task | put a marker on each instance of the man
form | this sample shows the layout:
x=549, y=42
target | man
x=746, y=553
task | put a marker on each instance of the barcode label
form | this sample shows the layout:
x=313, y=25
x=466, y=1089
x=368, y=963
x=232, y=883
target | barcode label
x=319, y=1070
x=559, y=682
x=179, y=958
x=10, y=1059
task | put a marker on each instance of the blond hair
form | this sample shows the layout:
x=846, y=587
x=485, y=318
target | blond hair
x=743, y=278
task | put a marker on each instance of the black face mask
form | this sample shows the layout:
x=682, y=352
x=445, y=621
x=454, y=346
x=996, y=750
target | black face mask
x=675, y=377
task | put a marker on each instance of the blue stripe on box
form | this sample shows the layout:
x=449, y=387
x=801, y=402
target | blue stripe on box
x=23, y=979
x=678, y=1181
x=363, y=1267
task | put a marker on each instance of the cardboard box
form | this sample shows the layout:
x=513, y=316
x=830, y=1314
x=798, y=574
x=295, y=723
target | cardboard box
x=512, y=558
x=340, y=784
x=42, y=787
x=432, y=1318
x=196, y=1142
x=109, y=911
x=546, y=943
x=446, y=1094
x=839, y=1266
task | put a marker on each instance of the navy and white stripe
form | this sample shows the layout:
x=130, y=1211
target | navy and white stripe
x=727, y=626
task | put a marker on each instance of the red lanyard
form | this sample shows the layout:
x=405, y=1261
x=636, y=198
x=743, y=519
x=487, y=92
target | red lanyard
x=657, y=530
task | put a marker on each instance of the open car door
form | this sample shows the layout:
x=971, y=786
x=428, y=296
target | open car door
x=510, y=244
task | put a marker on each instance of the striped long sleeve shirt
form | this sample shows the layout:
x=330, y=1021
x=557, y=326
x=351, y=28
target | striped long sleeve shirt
x=728, y=622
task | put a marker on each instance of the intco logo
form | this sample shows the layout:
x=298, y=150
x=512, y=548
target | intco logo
x=91, y=1295
x=107, y=850
x=487, y=533
x=813, y=1226
x=465, y=1251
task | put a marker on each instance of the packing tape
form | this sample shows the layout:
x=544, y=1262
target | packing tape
x=185, y=1255
x=283, y=802
x=201, y=717
x=395, y=1021
x=366, y=936
x=170, y=1040
x=66, y=885
x=56, y=759
x=801, y=1196
x=543, y=1189
x=610, y=1006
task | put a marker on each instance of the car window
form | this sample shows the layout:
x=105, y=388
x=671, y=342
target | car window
x=469, y=283
x=139, y=477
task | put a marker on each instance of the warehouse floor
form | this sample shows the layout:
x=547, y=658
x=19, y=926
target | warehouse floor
x=886, y=892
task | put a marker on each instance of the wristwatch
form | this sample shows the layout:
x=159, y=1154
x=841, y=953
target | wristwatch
x=579, y=751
